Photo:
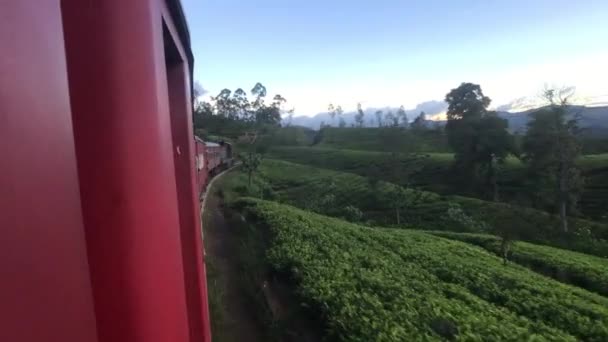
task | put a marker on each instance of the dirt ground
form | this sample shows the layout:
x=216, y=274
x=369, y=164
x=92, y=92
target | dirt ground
x=233, y=317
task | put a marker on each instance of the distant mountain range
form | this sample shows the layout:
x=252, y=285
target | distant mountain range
x=594, y=119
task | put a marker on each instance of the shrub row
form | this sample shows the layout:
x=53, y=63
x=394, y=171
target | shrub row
x=338, y=193
x=398, y=285
x=586, y=271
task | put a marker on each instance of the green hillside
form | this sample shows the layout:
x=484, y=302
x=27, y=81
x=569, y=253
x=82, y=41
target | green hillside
x=395, y=285
x=586, y=271
x=383, y=139
x=355, y=198
x=433, y=173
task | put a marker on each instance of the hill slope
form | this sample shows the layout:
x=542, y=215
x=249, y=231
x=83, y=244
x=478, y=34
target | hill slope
x=356, y=199
x=433, y=173
x=391, y=285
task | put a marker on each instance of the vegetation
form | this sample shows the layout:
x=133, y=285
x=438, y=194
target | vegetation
x=250, y=163
x=390, y=285
x=478, y=137
x=373, y=139
x=551, y=150
x=439, y=195
x=231, y=114
x=435, y=174
x=355, y=198
x=586, y=271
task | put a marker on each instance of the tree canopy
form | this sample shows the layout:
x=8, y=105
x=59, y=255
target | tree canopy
x=479, y=138
x=551, y=148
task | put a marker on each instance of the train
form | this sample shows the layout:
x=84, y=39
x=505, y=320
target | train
x=99, y=204
x=211, y=159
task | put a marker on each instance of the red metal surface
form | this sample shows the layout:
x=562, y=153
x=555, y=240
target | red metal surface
x=121, y=258
x=45, y=290
x=138, y=192
x=187, y=196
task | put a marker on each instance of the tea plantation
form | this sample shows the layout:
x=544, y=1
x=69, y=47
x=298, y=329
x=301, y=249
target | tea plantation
x=375, y=284
x=579, y=269
x=431, y=171
x=354, y=198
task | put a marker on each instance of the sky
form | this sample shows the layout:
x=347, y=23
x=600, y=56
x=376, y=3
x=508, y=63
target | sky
x=399, y=52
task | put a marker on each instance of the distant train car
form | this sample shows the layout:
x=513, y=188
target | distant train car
x=211, y=159
x=226, y=155
x=202, y=173
x=214, y=157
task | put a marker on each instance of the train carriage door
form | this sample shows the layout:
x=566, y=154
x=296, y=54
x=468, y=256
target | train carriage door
x=184, y=151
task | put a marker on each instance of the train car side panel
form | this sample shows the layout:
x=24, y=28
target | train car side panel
x=45, y=290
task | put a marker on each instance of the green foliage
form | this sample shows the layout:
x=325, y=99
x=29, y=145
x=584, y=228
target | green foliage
x=479, y=138
x=292, y=136
x=419, y=123
x=250, y=163
x=330, y=193
x=235, y=185
x=586, y=271
x=402, y=119
x=392, y=285
x=231, y=114
x=379, y=115
x=551, y=149
x=352, y=213
x=456, y=215
x=435, y=174
x=360, y=116
x=374, y=139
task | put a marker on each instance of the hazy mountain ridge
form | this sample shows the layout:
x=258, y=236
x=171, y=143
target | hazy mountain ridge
x=595, y=118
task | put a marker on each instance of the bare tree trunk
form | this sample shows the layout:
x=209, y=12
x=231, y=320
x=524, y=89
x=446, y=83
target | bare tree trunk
x=505, y=246
x=491, y=178
x=494, y=184
x=398, y=216
x=563, y=196
x=562, y=215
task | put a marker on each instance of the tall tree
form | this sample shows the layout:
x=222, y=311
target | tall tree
x=402, y=117
x=359, y=117
x=379, y=117
x=332, y=112
x=551, y=147
x=259, y=92
x=339, y=112
x=278, y=101
x=391, y=119
x=250, y=163
x=478, y=137
x=270, y=115
x=419, y=122
x=225, y=104
x=241, y=103
x=290, y=116
x=494, y=146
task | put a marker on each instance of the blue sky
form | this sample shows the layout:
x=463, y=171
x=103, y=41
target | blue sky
x=389, y=52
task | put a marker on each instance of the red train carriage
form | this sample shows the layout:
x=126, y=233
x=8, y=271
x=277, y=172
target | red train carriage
x=101, y=233
x=219, y=157
x=226, y=155
x=214, y=160
x=202, y=173
x=211, y=159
